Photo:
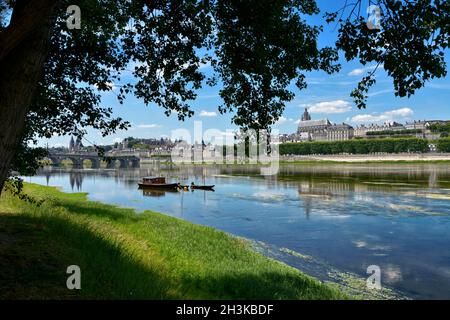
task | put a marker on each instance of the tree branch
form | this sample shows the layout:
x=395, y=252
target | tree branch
x=26, y=18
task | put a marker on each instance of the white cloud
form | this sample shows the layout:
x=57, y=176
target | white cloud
x=149, y=126
x=403, y=112
x=393, y=273
x=385, y=116
x=368, y=118
x=204, y=113
x=380, y=92
x=360, y=71
x=356, y=72
x=444, y=86
x=110, y=85
x=281, y=120
x=336, y=106
x=228, y=133
x=201, y=65
x=58, y=145
x=332, y=82
x=208, y=96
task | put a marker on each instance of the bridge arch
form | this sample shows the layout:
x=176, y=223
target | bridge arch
x=76, y=162
x=55, y=161
x=112, y=161
x=95, y=163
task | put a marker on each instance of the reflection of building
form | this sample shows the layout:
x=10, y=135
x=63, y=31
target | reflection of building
x=319, y=130
x=76, y=180
x=311, y=192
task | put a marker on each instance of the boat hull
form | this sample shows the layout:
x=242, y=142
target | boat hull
x=203, y=187
x=158, y=185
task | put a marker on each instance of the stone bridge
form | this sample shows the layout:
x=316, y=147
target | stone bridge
x=125, y=161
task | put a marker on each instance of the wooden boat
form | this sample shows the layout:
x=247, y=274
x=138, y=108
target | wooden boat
x=211, y=187
x=156, y=183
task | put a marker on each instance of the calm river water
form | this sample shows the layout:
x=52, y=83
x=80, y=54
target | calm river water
x=348, y=216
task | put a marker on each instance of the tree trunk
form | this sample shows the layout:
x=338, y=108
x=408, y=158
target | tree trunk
x=23, y=51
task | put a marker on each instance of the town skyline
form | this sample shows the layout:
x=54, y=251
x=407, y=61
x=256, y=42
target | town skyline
x=382, y=122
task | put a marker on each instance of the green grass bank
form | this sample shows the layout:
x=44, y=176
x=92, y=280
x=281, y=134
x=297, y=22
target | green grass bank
x=124, y=255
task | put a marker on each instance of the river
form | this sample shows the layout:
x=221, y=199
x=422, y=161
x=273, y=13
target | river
x=346, y=216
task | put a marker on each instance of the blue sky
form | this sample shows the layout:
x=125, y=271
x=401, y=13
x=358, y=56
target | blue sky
x=327, y=96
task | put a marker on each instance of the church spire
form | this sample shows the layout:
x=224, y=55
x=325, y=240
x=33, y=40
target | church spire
x=71, y=144
x=306, y=116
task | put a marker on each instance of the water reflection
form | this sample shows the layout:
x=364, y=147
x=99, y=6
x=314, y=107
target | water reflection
x=76, y=180
x=351, y=216
x=149, y=192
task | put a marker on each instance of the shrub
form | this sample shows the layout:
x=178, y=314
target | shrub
x=357, y=146
x=443, y=145
x=439, y=128
x=393, y=132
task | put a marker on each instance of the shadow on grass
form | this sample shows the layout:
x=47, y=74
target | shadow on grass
x=35, y=253
x=99, y=209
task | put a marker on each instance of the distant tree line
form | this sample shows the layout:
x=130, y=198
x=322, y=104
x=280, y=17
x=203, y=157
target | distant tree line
x=443, y=145
x=440, y=128
x=131, y=142
x=146, y=144
x=356, y=146
x=393, y=132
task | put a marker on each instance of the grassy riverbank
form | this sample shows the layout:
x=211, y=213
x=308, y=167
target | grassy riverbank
x=126, y=255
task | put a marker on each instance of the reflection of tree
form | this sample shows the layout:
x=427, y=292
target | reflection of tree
x=423, y=175
x=433, y=180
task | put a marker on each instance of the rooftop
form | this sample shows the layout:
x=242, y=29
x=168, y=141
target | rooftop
x=313, y=123
x=340, y=126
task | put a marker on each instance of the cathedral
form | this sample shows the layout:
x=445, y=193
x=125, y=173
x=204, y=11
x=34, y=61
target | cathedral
x=320, y=130
x=75, y=146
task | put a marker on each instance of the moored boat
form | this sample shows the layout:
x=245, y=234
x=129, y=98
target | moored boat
x=204, y=187
x=156, y=183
